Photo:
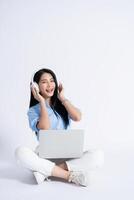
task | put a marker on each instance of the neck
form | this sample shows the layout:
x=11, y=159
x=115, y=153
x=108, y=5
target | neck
x=48, y=100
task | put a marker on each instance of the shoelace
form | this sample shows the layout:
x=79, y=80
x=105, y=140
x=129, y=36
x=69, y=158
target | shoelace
x=77, y=178
x=73, y=178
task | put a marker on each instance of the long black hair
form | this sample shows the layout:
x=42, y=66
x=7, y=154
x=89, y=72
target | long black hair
x=56, y=104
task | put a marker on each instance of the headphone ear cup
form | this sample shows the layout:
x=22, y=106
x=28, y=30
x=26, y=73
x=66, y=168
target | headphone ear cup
x=36, y=86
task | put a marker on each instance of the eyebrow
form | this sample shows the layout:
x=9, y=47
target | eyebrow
x=44, y=79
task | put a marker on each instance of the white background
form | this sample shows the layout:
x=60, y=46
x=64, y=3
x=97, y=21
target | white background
x=89, y=45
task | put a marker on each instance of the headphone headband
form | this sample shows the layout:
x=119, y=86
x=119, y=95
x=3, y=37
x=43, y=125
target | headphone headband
x=38, y=68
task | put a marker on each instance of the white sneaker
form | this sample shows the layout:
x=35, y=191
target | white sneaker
x=40, y=178
x=79, y=178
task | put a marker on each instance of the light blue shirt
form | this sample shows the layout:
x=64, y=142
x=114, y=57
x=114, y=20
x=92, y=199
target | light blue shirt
x=55, y=122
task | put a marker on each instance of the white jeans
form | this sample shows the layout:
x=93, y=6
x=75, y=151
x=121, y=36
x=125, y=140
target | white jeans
x=90, y=160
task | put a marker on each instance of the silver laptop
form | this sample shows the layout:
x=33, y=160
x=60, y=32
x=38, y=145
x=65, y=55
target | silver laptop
x=61, y=143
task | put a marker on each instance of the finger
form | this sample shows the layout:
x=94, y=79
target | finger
x=59, y=87
x=32, y=89
x=62, y=86
x=34, y=92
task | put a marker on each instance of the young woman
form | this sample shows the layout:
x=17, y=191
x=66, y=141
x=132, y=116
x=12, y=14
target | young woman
x=49, y=109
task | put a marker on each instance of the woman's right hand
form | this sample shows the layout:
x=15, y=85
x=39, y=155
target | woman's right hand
x=37, y=95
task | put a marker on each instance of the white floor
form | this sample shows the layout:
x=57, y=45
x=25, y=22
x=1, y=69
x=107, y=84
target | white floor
x=114, y=181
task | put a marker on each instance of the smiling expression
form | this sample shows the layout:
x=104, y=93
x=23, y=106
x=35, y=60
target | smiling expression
x=47, y=85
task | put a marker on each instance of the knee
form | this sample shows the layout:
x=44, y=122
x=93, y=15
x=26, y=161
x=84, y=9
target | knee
x=20, y=151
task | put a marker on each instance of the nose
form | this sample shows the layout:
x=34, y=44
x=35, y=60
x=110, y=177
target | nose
x=49, y=84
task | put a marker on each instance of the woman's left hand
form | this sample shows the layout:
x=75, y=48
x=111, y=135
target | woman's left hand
x=60, y=92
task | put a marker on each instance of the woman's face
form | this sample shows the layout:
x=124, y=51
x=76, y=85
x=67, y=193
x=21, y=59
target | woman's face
x=47, y=85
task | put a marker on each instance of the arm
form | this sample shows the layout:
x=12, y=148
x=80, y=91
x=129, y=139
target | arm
x=74, y=112
x=43, y=122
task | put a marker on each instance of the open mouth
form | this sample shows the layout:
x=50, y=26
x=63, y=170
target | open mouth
x=50, y=90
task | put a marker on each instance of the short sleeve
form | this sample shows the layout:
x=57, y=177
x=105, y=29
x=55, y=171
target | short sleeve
x=33, y=117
